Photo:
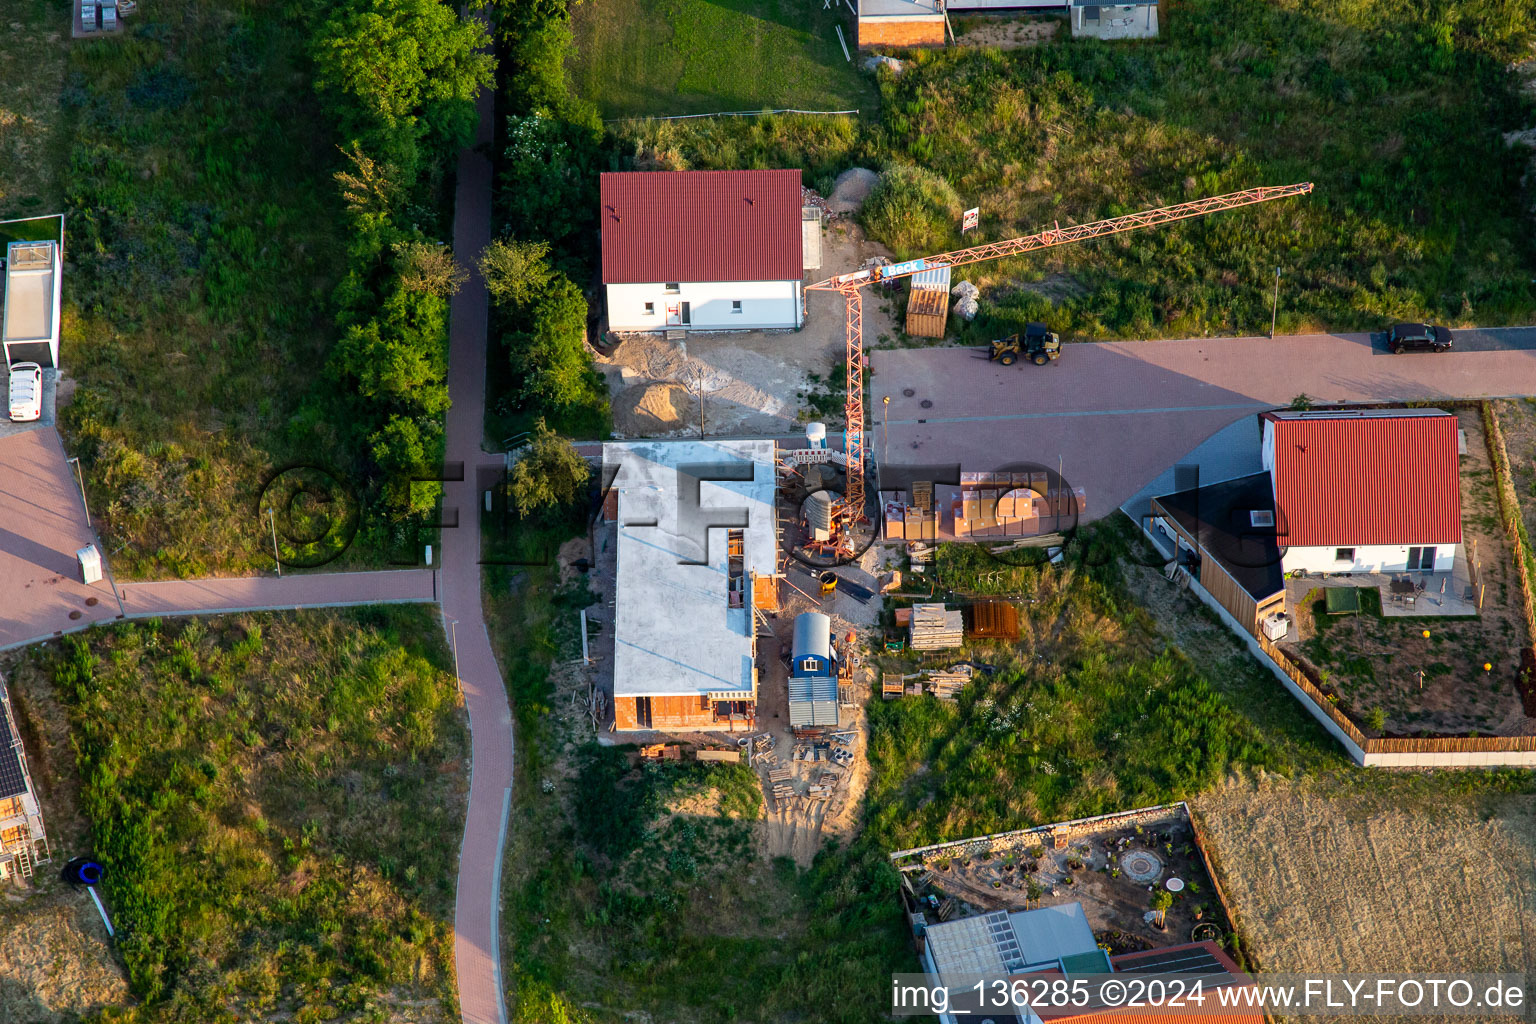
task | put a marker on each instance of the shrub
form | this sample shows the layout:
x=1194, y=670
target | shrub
x=912, y=210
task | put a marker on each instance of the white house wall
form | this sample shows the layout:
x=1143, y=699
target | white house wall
x=1368, y=558
x=764, y=304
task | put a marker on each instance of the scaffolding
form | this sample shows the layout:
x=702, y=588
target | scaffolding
x=23, y=841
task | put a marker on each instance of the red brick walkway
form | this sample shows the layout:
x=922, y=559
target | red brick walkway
x=476, y=943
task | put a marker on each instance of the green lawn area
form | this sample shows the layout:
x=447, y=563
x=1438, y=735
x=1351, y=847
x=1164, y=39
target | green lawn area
x=663, y=57
x=277, y=800
x=1383, y=104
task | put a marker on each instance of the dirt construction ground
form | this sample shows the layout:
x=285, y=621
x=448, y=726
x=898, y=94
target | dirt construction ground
x=1396, y=874
x=754, y=382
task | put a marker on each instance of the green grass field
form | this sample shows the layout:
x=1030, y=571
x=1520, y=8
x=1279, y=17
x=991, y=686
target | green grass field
x=1383, y=104
x=277, y=800
x=662, y=57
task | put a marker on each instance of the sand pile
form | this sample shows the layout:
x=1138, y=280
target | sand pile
x=650, y=409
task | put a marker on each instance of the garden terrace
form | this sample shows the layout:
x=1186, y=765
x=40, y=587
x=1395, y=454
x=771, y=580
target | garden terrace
x=1112, y=865
x=1368, y=664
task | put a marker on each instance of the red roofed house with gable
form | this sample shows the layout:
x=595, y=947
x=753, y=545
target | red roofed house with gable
x=702, y=250
x=1373, y=490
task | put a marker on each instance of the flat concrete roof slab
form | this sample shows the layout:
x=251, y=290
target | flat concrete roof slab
x=675, y=633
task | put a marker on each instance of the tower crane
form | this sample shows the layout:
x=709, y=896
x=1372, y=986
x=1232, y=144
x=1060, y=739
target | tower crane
x=850, y=508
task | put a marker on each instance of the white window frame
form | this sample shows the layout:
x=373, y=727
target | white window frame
x=1338, y=555
x=650, y=309
x=736, y=306
x=673, y=288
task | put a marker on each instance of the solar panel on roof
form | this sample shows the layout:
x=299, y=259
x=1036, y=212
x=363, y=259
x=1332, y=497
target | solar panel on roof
x=1194, y=960
x=13, y=781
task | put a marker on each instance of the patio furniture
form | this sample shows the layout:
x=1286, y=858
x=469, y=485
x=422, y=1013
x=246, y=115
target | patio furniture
x=1402, y=587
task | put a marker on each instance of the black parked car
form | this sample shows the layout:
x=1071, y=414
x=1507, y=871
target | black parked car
x=1419, y=338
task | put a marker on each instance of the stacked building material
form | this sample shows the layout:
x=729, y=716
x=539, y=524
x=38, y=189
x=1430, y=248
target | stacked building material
x=891, y=685
x=946, y=685
x=993, y=620
x=1014, y=505
x=935, y=628
x=928, y=303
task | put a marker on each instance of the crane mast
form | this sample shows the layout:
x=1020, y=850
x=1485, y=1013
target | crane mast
x=851, y=286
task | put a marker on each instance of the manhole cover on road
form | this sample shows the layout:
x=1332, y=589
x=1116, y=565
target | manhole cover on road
x=92, y=602
x=1141, y=866
x=908, y=392
x=76, y=614
x=926, y=403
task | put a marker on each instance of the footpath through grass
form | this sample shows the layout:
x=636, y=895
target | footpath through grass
x=661, y=57
x=277, y=800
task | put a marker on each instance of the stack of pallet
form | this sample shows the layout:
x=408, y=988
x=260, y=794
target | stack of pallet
x=779, y=779
x=662, y=752
x=914, y=519
x=928, y=303
x=935, y=628
x=947, y=684
x=825, y=784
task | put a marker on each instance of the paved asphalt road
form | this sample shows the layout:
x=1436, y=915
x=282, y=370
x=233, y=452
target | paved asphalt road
x=477, y=908
x=1116, y=414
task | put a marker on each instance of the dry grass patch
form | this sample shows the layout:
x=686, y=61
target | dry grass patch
x=1416, y=873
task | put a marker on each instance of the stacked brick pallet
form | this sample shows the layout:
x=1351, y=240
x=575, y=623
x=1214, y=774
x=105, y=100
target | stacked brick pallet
x=1014, y=505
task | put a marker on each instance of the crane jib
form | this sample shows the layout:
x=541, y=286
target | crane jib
x=851, y=507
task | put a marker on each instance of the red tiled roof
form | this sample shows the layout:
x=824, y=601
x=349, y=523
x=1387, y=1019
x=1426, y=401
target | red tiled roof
x=661, y=226
x=1350, y=480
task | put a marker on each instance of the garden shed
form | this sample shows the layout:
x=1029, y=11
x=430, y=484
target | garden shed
x=813, y=673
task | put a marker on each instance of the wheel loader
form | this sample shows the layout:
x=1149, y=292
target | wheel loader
x=1037, y=344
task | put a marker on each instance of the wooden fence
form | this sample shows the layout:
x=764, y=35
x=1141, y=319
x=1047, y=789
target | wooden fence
x=1509, y=513
x=1398, y=745
x=1305, y=685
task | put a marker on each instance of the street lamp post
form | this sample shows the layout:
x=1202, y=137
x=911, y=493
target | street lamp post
x=83, y=499
x=272, y=519
x=1274, y=310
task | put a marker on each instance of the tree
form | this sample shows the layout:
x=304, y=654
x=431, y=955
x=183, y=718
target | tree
x=515, y=271
x=1161, y=901
x=370, y=186
x=549, y=175
x=398, y=360
x=396, y=70
x=1301, y=403
x=549, y=475
x=428, y=267
x=405, y=450
x=551, y=357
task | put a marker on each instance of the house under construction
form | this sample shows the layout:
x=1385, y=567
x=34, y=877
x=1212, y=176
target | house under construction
x=22, y=842
x=698, y=553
